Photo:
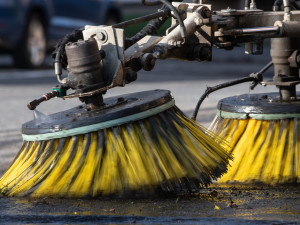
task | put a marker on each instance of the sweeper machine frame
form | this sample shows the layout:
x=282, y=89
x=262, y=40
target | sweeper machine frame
x=104, y=58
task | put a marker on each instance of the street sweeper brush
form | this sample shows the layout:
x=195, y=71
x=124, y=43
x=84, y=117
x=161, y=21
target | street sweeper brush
x=262, y=130
x=138, y=142
x=264, y=134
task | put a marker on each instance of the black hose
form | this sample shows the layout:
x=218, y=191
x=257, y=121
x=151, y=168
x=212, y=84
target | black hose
x=255, y=77
x=277, y=5
x=150, y=29
x=218, y=87
x=59, y=54
x=178, y=17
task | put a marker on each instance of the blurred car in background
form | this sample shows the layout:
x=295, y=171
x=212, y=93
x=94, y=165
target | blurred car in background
x=28, y=28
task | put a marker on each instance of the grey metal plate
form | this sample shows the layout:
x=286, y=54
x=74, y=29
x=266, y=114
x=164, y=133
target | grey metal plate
x=266, y=103
x=115, y=107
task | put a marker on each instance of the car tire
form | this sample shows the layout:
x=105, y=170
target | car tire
x=31, y=51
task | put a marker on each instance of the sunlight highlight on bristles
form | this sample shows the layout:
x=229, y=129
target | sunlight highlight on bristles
x=266, y=151
x=166, y=151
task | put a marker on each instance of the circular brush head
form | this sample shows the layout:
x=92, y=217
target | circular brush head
x=139, y=143
x=264, y=137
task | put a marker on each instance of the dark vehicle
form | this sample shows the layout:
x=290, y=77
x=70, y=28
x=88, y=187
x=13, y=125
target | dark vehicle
x=28, y=28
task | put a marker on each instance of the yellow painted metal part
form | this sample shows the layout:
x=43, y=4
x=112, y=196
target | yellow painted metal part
x=166, y=151
x=265, y=151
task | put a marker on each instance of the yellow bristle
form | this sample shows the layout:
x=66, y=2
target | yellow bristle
x=166, y=151
x=264, y=150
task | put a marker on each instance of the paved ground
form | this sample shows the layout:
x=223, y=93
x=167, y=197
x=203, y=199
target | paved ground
x=187, y=81
x=215, y=205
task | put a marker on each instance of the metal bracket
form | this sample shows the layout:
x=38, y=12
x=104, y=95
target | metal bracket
x=111, y=41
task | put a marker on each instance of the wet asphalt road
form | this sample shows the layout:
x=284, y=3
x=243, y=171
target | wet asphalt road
x=214, y=205
x=187, y=81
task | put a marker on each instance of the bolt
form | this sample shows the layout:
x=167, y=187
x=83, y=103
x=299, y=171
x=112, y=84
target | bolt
x=148, y=61
x=101, y=36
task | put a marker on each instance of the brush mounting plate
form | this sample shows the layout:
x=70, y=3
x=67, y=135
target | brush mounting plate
x=116, y=108
x=265, y=103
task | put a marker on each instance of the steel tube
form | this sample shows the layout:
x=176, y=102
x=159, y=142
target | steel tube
x=247, y=4
x=281, y=49
x=250, y=31
x=280, y=29
x=287, y=10
x=289, y=28
x=256, y=30
x=264, y=19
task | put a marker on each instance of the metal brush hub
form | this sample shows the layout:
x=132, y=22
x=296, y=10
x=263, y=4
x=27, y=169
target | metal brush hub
x=84, y=65
x=116, y=111
x=265, y=106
